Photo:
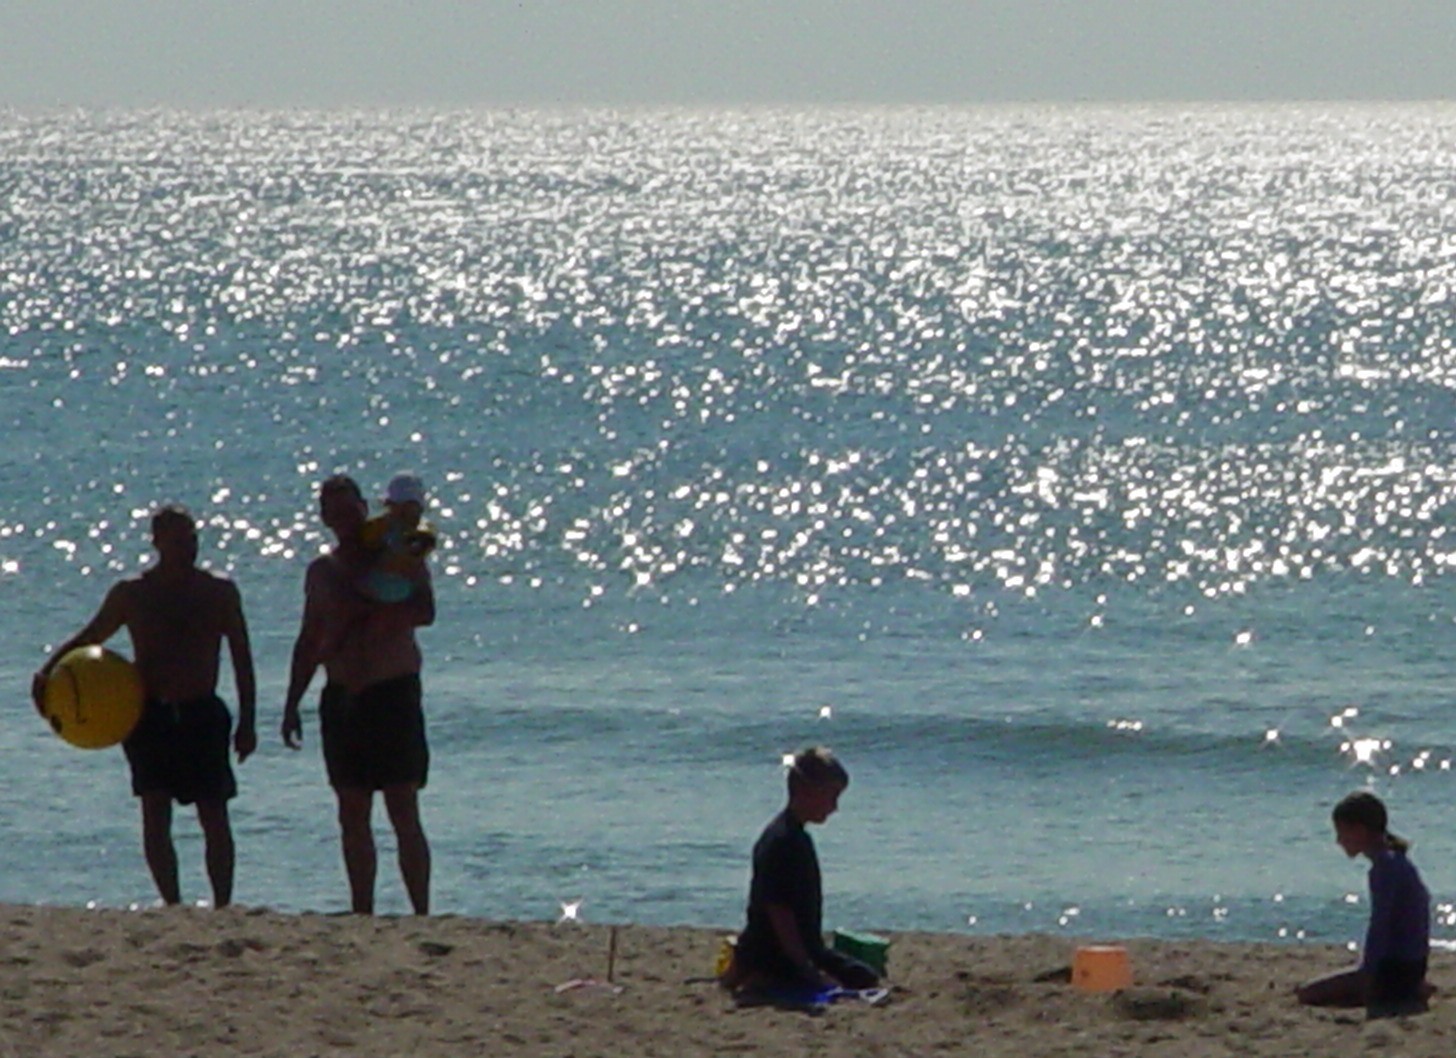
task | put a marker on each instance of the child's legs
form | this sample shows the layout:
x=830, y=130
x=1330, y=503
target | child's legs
x=1348, y=988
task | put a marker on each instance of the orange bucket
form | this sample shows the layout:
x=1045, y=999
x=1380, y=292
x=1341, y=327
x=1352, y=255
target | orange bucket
x=1101, y=968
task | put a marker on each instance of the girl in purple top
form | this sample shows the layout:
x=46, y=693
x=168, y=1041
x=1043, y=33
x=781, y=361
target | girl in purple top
x=1391, y=977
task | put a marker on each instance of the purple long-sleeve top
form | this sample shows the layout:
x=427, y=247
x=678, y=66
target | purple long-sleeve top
x=1400, y=911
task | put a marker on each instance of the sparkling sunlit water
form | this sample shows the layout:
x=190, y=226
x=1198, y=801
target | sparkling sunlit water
x=1082, y=476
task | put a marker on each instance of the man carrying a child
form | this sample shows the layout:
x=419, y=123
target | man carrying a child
x=370, y=716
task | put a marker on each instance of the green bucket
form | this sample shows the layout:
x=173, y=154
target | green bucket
x=869, y=949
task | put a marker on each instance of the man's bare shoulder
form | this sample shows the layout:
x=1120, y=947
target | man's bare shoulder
x=220, y=583
x=322, y=565
x=125, y=591
x=201, y=585
x=326, y=569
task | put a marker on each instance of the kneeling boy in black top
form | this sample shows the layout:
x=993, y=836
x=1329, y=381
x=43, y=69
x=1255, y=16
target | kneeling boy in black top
x=783, y=943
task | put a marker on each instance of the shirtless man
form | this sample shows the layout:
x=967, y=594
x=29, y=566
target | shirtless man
x=178, y=616
x=370, y=717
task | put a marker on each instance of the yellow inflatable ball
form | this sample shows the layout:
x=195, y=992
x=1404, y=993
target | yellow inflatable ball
x=93, y=697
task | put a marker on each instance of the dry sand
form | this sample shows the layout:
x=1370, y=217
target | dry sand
x=180, y=982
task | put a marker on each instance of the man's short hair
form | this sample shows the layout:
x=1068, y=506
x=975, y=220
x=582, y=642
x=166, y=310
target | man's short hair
x=816, y=766
x=341, y=483
x=172, y=514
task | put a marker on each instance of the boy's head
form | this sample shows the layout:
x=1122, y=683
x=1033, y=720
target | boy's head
x=816, y=779
x=405, y=495
x=174, y=534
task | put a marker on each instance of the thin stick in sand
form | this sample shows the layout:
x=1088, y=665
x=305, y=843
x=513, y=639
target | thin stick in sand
x=592, y=982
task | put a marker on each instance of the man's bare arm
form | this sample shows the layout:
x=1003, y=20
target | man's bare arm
x=421, y=603
x=235, y=630
x=791, y=943
x=109, y=620
x=417, y=610
x=306, y=658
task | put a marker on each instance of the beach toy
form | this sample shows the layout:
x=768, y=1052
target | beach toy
x=93, y=697
x=869, y=949
x=727, y=947
x=811, y=997
x=1101, y=968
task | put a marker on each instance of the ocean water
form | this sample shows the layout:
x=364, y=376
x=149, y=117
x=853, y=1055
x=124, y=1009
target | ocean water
x=1082, y=476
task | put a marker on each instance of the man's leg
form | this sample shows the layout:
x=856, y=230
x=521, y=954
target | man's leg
x=403, y=803
x=217, y=837
x=157, y=845
x=355, y=808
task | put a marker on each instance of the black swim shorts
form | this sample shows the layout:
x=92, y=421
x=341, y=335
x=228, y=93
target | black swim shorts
x=182, y=750
x=375, y=738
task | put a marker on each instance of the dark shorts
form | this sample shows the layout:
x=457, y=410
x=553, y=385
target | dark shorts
x=1396, y=987
x=375, y=738
x=182, y=750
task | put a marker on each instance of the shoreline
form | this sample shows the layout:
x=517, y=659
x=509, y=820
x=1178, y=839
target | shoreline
x=252, y=981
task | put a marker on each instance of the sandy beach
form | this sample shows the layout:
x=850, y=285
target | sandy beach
x=256, y=982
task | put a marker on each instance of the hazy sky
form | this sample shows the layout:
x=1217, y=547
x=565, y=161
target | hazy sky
x=325, y=52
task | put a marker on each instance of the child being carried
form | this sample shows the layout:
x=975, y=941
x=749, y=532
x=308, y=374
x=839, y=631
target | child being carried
x=400, y=539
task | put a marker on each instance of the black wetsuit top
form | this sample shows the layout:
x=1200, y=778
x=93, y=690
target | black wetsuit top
x=785, y=871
